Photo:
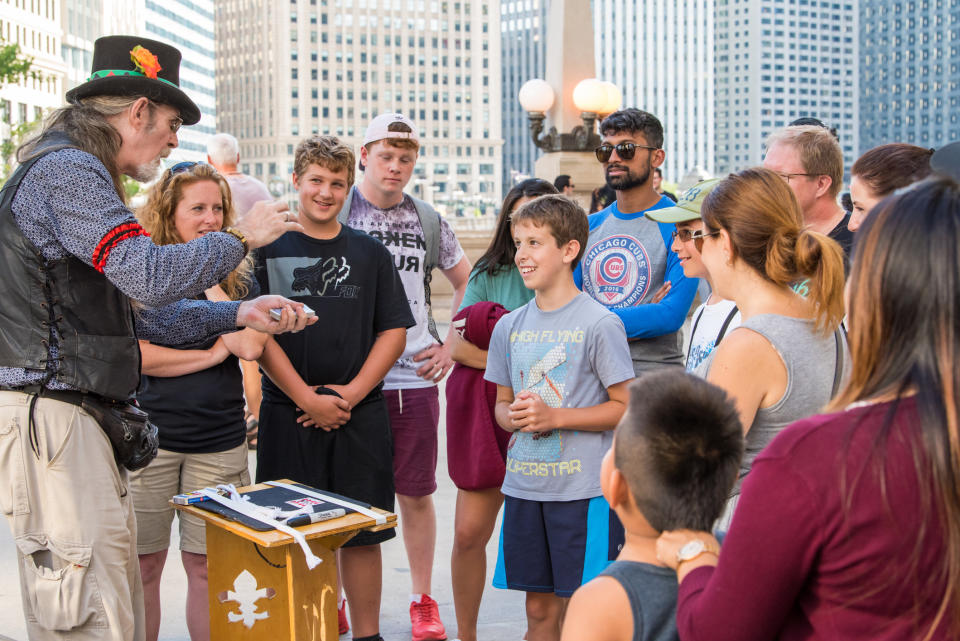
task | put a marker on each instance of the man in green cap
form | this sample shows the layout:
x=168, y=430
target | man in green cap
x=715, y=316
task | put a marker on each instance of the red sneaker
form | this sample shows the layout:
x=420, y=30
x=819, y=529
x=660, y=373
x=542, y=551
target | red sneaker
x=342, y=623
x=425, y=620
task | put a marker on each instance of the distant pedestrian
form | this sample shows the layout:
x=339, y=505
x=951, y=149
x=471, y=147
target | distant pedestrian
x=564, y=184
x=658, y=184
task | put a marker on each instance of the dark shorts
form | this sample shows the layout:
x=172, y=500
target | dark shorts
x=354, y=461
x=555, y=546
x=414, y=416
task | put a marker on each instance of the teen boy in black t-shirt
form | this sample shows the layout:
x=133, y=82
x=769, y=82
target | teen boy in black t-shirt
x=336, y=438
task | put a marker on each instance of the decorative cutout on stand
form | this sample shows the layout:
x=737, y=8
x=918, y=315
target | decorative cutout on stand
x=246, y=594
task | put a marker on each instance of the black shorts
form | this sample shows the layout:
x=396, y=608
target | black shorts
x=555, y=546
x=355, y=460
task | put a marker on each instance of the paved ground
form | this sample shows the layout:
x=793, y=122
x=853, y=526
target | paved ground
x=501, y=615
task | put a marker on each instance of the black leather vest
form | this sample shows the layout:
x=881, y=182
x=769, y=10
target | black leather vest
x=97, y=344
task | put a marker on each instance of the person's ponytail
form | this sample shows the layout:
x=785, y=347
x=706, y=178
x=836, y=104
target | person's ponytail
x=820, y=259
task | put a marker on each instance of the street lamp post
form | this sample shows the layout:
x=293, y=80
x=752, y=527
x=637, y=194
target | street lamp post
x=571, y=98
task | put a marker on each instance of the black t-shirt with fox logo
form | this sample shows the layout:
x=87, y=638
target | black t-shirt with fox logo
x=351, y=283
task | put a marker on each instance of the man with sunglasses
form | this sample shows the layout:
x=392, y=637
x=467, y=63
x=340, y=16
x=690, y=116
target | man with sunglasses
x=73, y=257
x=808, y=157
x=628, y=256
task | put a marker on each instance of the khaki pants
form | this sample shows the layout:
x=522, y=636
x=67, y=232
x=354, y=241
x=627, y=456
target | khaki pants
x=73, y=522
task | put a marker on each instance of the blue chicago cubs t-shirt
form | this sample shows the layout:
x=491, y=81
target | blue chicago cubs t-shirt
x=626, y=260
x=569, y=357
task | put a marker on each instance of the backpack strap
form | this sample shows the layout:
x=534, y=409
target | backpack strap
x=693, y=332
x=726, y=324
x=430, y=223
x=344, y=216
x=838, y=362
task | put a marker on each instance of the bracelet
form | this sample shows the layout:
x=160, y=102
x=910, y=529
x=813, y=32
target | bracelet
x=236, y=233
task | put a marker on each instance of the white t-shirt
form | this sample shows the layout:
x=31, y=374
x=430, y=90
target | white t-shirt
x=246, y=191
x=399, y=229
x=707, y=322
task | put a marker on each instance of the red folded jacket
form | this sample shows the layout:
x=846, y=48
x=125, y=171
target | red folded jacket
x=476, y=445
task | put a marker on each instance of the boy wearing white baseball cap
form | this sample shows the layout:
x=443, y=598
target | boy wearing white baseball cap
x=419, y=240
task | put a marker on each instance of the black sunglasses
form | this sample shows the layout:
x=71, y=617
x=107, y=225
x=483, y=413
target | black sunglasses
x=181, y=167
x=626, y=150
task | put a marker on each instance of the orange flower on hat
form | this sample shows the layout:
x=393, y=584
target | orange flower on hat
x=145, y=61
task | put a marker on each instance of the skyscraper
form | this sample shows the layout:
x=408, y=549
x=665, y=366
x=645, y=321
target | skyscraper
x=660, y=54
x=523, y=26
x=330, y=66
x=777, y=61
x=188, y=26
x=909, y=72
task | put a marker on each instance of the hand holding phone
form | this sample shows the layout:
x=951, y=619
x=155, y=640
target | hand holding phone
x=275, y=313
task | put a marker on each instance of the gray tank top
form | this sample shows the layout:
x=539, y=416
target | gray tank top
x=652, y=592
x=811, y=361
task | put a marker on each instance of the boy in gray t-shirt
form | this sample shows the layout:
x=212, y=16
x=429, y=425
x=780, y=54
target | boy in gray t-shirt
x=561, y=364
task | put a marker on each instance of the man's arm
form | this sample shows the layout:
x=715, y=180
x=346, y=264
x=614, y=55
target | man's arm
x=437, y=357
x=657, y=319
x=326, y=411
x=157, y=360
x=599, y=610
x=191, y=321
x=387, y=348
x=530, y=414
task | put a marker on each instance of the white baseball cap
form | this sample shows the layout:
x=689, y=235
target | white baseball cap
x=377, y=129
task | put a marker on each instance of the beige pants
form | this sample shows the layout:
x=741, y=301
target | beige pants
x=73, y=522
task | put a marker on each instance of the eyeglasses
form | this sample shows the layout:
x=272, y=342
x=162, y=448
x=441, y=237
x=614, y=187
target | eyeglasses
x=626, y=150
x=686, y=235
x=787, y=177
x=181, y=167
x=175, y=123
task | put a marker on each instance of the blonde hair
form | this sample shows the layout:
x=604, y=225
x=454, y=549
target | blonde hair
x=157, y=216
x=820, y=153
x=326, y=151
x=762, y=216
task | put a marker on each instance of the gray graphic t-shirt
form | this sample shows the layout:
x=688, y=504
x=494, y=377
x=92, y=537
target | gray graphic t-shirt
x=399, y=229
x=569, y=356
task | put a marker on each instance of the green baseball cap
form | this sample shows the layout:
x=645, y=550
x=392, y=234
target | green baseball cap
x=688, y=205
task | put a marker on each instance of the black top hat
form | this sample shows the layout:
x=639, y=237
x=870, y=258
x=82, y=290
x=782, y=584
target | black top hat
x=133, y=66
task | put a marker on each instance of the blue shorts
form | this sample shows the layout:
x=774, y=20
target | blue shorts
x=555, y=546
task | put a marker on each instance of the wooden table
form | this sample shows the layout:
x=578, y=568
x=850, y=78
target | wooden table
x=259, y=586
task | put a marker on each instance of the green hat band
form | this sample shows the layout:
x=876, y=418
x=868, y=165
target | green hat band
x=105, y=73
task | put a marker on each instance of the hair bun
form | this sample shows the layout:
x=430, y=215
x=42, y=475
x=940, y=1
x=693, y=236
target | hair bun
x=808, y=251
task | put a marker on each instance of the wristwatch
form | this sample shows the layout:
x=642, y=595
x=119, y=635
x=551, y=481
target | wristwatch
x=236, y=233
x=694, y=548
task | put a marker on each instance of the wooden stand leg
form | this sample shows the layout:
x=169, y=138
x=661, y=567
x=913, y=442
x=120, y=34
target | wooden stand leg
x=313, y=593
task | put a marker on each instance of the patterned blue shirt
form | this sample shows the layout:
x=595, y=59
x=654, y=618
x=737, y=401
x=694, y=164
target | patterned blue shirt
x=66, y=205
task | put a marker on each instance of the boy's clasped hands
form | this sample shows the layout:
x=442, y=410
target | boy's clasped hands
x=528, y=413
x=330, y=409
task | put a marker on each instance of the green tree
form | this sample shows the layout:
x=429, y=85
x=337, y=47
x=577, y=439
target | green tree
x=14, y=68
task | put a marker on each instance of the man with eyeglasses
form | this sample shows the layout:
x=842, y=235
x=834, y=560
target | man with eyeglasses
x=73, y=257
x=628, y=258
x=809, y=159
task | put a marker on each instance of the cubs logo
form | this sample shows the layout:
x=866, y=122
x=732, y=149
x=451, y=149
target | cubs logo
x=616, y=271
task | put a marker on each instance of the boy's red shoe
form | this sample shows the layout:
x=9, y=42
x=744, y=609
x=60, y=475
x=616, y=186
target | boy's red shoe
x=425, y=620
x=342, y=623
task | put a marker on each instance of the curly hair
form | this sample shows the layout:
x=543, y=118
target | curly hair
x=157, y=217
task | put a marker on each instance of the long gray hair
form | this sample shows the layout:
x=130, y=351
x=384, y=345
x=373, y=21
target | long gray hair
x=88, y=126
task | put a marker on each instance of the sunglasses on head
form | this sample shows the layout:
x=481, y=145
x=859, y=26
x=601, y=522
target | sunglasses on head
x=181, y=167
x=625, y=150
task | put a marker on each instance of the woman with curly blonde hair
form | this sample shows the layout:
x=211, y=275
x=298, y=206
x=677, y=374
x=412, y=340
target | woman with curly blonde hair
x=193, y=395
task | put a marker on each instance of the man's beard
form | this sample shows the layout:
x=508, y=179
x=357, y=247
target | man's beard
x=147, y=171
x=627, y=181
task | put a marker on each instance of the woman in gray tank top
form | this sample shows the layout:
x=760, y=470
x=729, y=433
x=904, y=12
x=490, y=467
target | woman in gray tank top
x=787, y=358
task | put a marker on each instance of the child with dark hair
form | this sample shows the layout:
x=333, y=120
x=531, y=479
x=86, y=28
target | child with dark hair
x=675, y=455
x=561, y=365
